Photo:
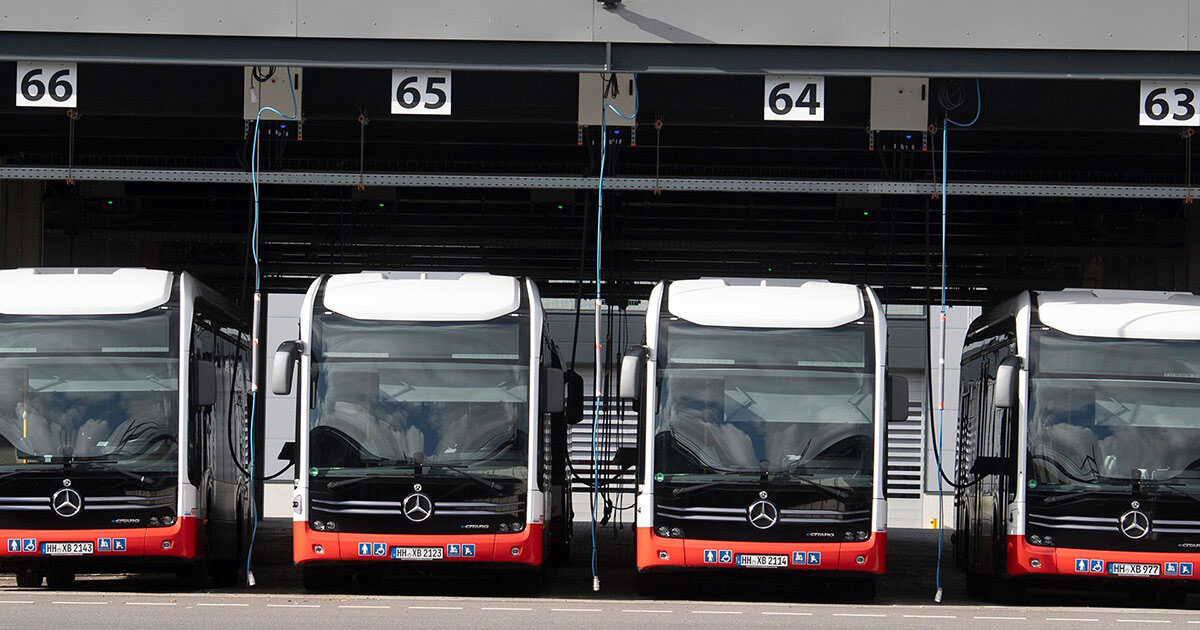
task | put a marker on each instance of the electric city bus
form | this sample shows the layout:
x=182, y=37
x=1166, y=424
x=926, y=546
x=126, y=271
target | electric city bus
x=762, y=428
x=124, y=400
x=1079, y=444
x=433, y=427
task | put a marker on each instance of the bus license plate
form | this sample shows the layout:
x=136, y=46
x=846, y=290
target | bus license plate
x=416, y=553
x=67, y=548
x=1134, y=569
x=762, y=560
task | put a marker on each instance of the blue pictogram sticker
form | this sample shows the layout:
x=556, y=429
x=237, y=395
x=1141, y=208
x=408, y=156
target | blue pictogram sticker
x=379, y=549
x=1081, y=565
x=1185, y=568
x=14, y=545
x=799, y=558
x=118, y=544
x=104, y=544
x=29, y=545
x=726, y=556
x=1097, y=566
x=710, y=556
x=364, y=548
x=814, y=558
x=452, y=550
x=1170, y=568
x=468, y=551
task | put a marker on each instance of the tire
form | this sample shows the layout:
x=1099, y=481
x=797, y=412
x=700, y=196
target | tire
x=533, y=580
x=863, y=589
x=60, y=580
x=649, y=584
x=29, y=579
x=1143, y=597
x=1173, y=598
x=324, y=579
x=979, y=586
x=193, y=576
x=1007, y=591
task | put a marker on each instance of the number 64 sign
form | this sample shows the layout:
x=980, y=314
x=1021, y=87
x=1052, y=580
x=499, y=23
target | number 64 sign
x=1169, y=104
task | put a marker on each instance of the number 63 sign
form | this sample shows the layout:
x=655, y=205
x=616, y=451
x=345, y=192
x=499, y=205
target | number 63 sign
x=1169, y=104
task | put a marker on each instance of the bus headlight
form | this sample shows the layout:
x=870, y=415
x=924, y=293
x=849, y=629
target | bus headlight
x=1048, y=541
x=167, y=520
x=676, y=532
x=153, y=521
x=1035, y=539
x=516, y=527
x=504, y=528
x=861, y=535
x=662, y=532
x=330, y=526
x=319, y=526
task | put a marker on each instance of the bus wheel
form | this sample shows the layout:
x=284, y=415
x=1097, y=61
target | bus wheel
x=863, y=588
x=979, y=586
x=60, y=580
x=1143, y=597
x=1007, y=591
x=29, y=578
x=560, y=552
x=1173, y=598
x=324, y=579
x=649, y=584
x=533, y=581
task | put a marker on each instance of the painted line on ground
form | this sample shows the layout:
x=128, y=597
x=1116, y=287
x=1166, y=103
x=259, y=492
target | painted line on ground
x=435, y=607
x=644, y=610
x=16, y=601
x=931, y=616
x=508, y=608
x=798, y=614
x=293, y=605
x=858, y=615
x=1002, y=618
x=230, y=605
x=149, y=603
x=360, y=606
x=1071, y=619
x=716, y=612
x=80, y=603
x=576, y=610
x=1143, y=621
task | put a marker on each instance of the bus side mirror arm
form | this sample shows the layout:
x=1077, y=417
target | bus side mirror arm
x=574, y=402
x=633, y=370
x=1004, y=390
x=550, y=390
x=284, y=367
x=897, y=398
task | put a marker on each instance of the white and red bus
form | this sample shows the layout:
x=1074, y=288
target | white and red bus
x=433, y=427
x=1079, y=444
x=124, y=401
x=762, y=407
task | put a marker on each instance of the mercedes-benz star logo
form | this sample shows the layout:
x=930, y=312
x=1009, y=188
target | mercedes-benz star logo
x=66, y=502
x=417, y=507
x=762, y=514
x=1134, y=524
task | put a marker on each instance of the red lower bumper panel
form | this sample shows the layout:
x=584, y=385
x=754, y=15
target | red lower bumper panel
x=868, y=556
x=1025, y=559
x=309, y=545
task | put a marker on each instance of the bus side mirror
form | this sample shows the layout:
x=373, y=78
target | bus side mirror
x=987, y=465
x=551, y=390
x=1004, y=390
x=633, y=368
x=285, y=366
x=204, y=383
x=897, y=398
x=574, y=404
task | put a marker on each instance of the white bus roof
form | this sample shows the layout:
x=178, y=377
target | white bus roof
x=765, y=303
x=1121, y=314
x=422, y=296
x=82, y=291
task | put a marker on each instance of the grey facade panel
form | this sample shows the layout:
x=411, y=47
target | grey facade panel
x=271, y=18
x=1056, y=24
x=769, y=22
x=500, y=20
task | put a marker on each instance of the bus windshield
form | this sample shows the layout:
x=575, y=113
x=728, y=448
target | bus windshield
x=89, y=389
x=741, y=402
x=1105, y=413
x=394, y=395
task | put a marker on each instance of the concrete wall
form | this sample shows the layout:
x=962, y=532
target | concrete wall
x=1161, y=25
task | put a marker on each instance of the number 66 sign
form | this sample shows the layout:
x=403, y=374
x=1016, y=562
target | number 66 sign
x=42, y=84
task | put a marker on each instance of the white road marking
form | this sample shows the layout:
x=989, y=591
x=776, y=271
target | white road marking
x=207, y=604
x=16, y=601
x=644, y=610
x=1070, y=619
x=931, y=616
x=576, y=610
x=435, y=607
x=82, y=603
x=293, y=605
x=360, y=606
x=716, y=612
x=1143, y=621
x=1003, y=618
x=149, y=603
x=770, y=612
x=857, y=615
x=504, y=608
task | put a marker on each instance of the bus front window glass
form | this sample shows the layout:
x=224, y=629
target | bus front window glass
x=1107, y=412
x=392, y=395
x=101, y=389
x=741, y=402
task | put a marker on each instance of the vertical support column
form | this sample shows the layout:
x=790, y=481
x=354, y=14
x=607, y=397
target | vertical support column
x=1191, y=233
x=21, y=213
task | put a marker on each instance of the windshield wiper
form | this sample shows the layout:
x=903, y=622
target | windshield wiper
x=701, y=486
x=483, y=481
x=107, y=465
x=838, y=493
x=417, y=470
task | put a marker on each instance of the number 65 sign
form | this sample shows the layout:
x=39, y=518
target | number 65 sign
x=1169, y=104
x=424, y=92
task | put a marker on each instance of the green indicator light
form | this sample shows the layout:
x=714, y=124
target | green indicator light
x=560, y=206
x=866, y=213
x=110, y=202
x=380, y=205
x=659, y=476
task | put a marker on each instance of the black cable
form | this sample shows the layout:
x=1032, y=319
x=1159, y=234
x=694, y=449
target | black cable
x=937, y=454
x=285, y=469
x=259, y=77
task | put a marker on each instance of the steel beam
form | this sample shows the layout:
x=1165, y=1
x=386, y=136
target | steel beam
x=638, y=184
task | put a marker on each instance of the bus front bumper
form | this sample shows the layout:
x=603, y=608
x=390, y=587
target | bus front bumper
x=655, y=553
x=112, y=549
x=523, y=548
x=1026, y=559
